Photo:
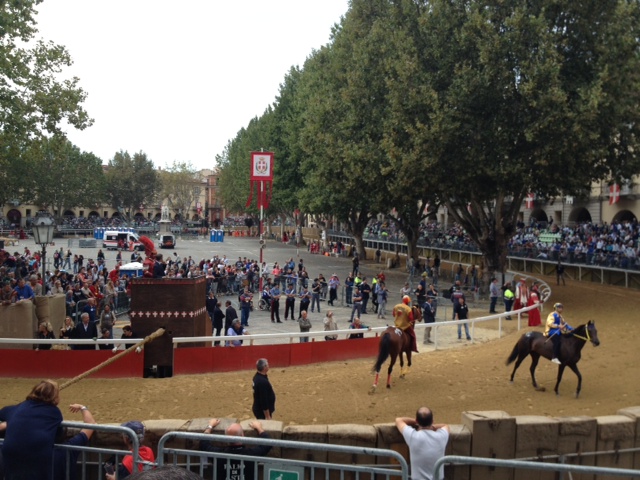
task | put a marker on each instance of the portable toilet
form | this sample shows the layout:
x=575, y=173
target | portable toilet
x=220, y=234
x=133, y=269
x=213, y=236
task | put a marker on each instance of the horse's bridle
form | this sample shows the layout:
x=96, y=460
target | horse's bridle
x=586, y=331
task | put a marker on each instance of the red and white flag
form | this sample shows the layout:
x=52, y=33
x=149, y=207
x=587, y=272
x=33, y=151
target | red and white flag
x=261, y=178
x=529, y=200
x=614, y=193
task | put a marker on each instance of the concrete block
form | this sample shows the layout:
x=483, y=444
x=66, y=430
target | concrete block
x=536, y=436
x=494, y=436
x=459, y=444
x=578, y=435
x=634, y=414
x=306, y=433
x=615, y=432
x=390, y=438
x=351, y=435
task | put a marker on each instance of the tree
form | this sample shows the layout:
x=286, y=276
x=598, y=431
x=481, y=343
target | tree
x=343, y=93
x=33, y=98
x=73, y=178
x=507, y=98
x=131, y=183
x=181, y=187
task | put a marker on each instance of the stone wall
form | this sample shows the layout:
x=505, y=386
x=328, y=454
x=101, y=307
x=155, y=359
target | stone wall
x=492, y=434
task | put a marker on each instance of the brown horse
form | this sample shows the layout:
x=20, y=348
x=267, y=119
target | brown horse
x=537, y=345
x=392, y=343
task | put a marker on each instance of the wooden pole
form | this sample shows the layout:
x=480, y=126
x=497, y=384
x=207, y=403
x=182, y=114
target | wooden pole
x=147, y=339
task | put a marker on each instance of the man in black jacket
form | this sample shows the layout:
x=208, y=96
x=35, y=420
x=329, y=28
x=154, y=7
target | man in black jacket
x=216, y=321
x=230, y=315
x=84, y=330
x=264, y=398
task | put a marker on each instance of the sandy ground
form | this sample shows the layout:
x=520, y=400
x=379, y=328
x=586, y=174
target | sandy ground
x=450, y=381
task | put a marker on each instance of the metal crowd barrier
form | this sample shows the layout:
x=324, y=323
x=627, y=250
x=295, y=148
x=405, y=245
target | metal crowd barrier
x=529, y=465
x=393, y=466
x=90, y=460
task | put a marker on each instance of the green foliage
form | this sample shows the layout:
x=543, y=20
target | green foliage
x=33, y=97
x=504, y=98
x=58, y=174
x=470, y=104
x=131, y=182
x=181, y=186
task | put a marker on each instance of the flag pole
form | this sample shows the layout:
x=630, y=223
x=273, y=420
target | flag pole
x=261, y=242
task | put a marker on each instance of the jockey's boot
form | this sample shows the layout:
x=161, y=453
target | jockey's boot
x=414, y=343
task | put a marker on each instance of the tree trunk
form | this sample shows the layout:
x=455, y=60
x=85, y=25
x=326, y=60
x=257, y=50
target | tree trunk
x=412, y=246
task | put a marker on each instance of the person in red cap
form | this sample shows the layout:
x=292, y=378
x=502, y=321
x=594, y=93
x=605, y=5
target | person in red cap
x=403, y=319
x=146, y=458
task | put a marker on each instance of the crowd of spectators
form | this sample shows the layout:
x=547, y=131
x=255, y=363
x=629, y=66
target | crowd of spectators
x=614, y=245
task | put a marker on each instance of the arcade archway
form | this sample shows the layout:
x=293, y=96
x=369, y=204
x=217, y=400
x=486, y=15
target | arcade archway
x=580, y=215
x=624, y=216
x=14, y=216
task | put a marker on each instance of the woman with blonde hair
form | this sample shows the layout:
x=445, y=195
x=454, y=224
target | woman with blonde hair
x=31, y=433
x=45, y=331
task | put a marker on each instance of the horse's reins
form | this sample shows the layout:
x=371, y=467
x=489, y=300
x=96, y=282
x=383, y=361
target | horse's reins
x=586, y=331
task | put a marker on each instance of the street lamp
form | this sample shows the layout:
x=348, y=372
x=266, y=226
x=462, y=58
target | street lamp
x=43, y=228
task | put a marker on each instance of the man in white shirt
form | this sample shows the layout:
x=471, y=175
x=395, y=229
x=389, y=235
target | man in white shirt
x=427, y=442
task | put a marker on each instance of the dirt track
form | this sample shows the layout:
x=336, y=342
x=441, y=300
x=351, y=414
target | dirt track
x=451, y=381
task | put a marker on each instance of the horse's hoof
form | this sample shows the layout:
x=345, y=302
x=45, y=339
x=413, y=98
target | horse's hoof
x=388, y=386
x=541, y=389
x=372, y=390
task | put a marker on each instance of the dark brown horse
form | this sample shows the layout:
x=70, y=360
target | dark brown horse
x=393, y=343
x=537, y=345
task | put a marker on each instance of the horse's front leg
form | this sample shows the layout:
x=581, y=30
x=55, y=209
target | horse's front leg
x=579, y=375
x=406, y=370
x=560, y=372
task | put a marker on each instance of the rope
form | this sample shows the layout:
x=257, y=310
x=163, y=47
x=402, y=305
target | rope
x=147, y=339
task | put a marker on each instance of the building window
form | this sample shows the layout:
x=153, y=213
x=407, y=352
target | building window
x=81, y=213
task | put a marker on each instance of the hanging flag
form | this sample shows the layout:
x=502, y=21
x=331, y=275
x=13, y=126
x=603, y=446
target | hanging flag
x=529, y=200
x=261, y=178
x=614, y=193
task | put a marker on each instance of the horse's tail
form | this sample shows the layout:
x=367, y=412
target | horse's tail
x=526, y=339
x=514, y=353
x=383, y=354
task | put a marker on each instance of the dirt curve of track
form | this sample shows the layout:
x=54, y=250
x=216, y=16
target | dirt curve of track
x=468, y=378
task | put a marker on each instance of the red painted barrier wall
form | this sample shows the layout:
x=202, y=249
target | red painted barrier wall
x=227, y=359
x=190, y=360
x=67, y=363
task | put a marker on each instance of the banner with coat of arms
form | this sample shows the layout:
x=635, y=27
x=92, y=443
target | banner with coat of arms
x=261, y=171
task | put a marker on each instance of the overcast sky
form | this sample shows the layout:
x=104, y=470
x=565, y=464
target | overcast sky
x=177, y=80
